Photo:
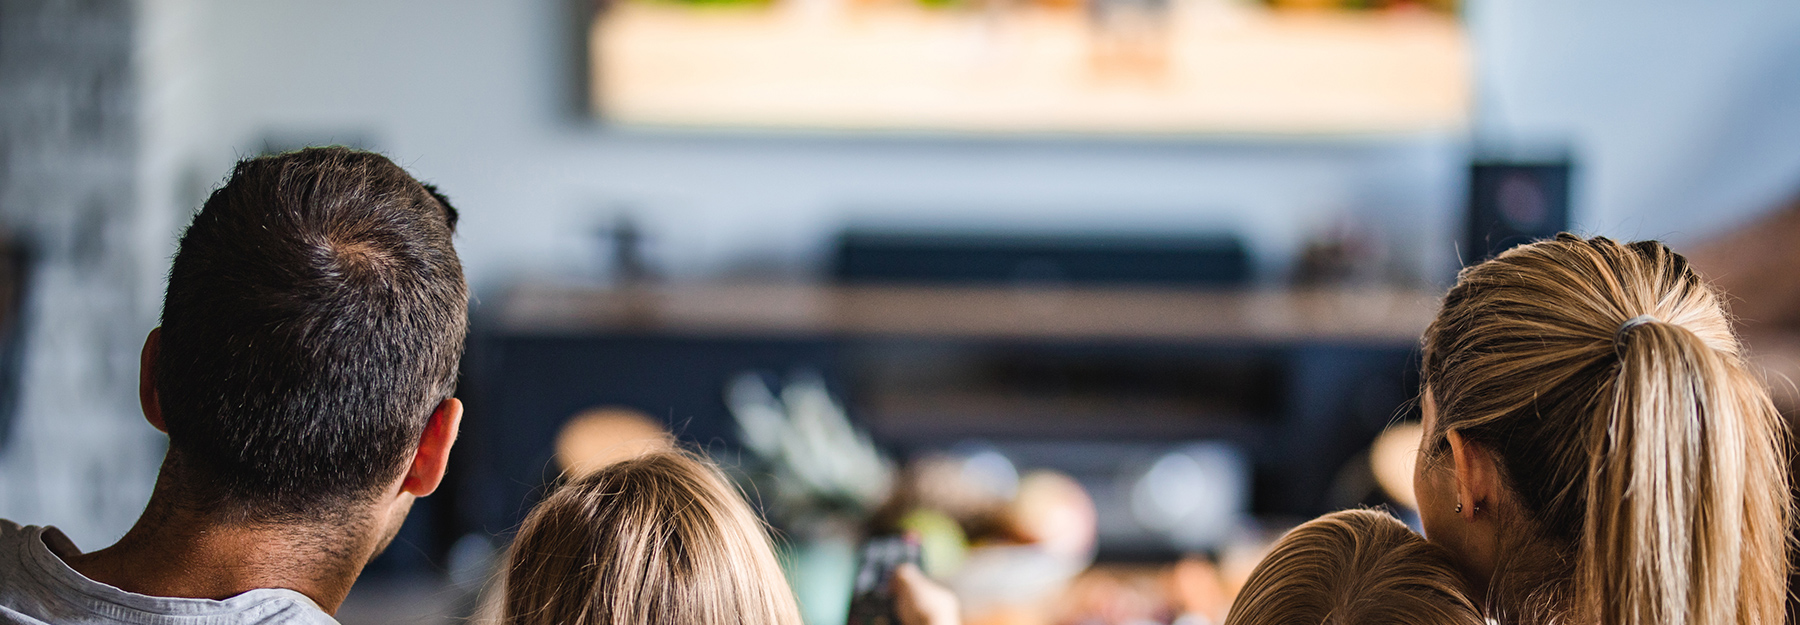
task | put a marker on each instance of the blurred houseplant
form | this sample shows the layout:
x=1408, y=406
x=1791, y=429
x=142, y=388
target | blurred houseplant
x=819, y=478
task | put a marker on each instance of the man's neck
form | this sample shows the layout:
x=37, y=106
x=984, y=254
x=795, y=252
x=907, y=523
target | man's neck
x=172, y=552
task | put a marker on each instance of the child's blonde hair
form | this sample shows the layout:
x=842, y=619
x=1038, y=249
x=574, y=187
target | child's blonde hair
x=661, y=539
x=1353, y=567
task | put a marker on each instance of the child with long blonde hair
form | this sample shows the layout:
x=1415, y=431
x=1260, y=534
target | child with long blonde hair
x=660, y=539
x=664, y=539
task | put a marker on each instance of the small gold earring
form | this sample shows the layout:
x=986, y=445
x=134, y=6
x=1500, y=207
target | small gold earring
x=1459, y=507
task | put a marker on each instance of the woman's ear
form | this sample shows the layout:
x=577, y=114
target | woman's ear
x=1477, y=477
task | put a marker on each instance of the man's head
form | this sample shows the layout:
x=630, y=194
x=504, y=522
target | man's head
x=313, y=324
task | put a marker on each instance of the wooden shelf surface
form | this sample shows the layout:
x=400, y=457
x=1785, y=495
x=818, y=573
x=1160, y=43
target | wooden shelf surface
x=1273, y=315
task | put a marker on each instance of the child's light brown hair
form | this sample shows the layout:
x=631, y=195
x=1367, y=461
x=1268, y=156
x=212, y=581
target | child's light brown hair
x=661, y=539
x=1350, y=568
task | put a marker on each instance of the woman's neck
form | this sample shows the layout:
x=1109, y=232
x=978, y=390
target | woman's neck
x=1534, y=584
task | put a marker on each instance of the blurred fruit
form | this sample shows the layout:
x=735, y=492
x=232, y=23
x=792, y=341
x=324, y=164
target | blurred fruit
x=1053, y=511
x=1198, y=590
x=1391, y=459
x=971, y=487
x=601, y=436
x=942, y=544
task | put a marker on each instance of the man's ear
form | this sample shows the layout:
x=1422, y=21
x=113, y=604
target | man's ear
x=147, y=397
x=1477, y=478
x=433, y=456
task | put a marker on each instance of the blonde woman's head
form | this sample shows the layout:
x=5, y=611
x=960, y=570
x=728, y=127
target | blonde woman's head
x=1596, y=449
x=1350, y=568
x=661, y=539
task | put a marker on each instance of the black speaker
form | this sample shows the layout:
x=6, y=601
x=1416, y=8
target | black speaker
x=1511, y=203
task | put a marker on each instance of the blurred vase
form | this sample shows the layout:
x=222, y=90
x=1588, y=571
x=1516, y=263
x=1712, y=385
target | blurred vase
x=820, y=561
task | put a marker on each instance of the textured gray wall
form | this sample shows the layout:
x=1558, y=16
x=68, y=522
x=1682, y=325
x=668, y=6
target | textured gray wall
x=79, y=454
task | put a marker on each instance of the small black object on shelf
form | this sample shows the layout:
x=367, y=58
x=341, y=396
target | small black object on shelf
x=1513, y=202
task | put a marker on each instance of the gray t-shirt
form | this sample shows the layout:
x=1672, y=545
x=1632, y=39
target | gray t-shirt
x=37, y=588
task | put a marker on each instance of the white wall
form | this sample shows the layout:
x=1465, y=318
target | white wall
x=1682, y=115
x=1685, y=113
x=470, y=94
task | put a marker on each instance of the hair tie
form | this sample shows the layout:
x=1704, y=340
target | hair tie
x=1619, y=336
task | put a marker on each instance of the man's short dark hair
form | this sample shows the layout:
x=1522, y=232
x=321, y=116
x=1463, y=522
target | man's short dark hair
x=315, y=317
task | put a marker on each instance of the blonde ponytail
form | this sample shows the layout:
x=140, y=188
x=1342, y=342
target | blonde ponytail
x=1667, y=538
x=1607, y=381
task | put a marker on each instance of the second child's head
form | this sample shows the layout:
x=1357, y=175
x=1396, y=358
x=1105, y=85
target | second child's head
x=1350, y=567
x=658, y=539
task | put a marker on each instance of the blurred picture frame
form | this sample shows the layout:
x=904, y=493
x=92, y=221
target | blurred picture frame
x=1028, y=67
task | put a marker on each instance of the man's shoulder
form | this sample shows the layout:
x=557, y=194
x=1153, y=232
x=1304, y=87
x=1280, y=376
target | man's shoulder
x=14, y=539
x=37, y=588
x=278, y=611
x=20, y=586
